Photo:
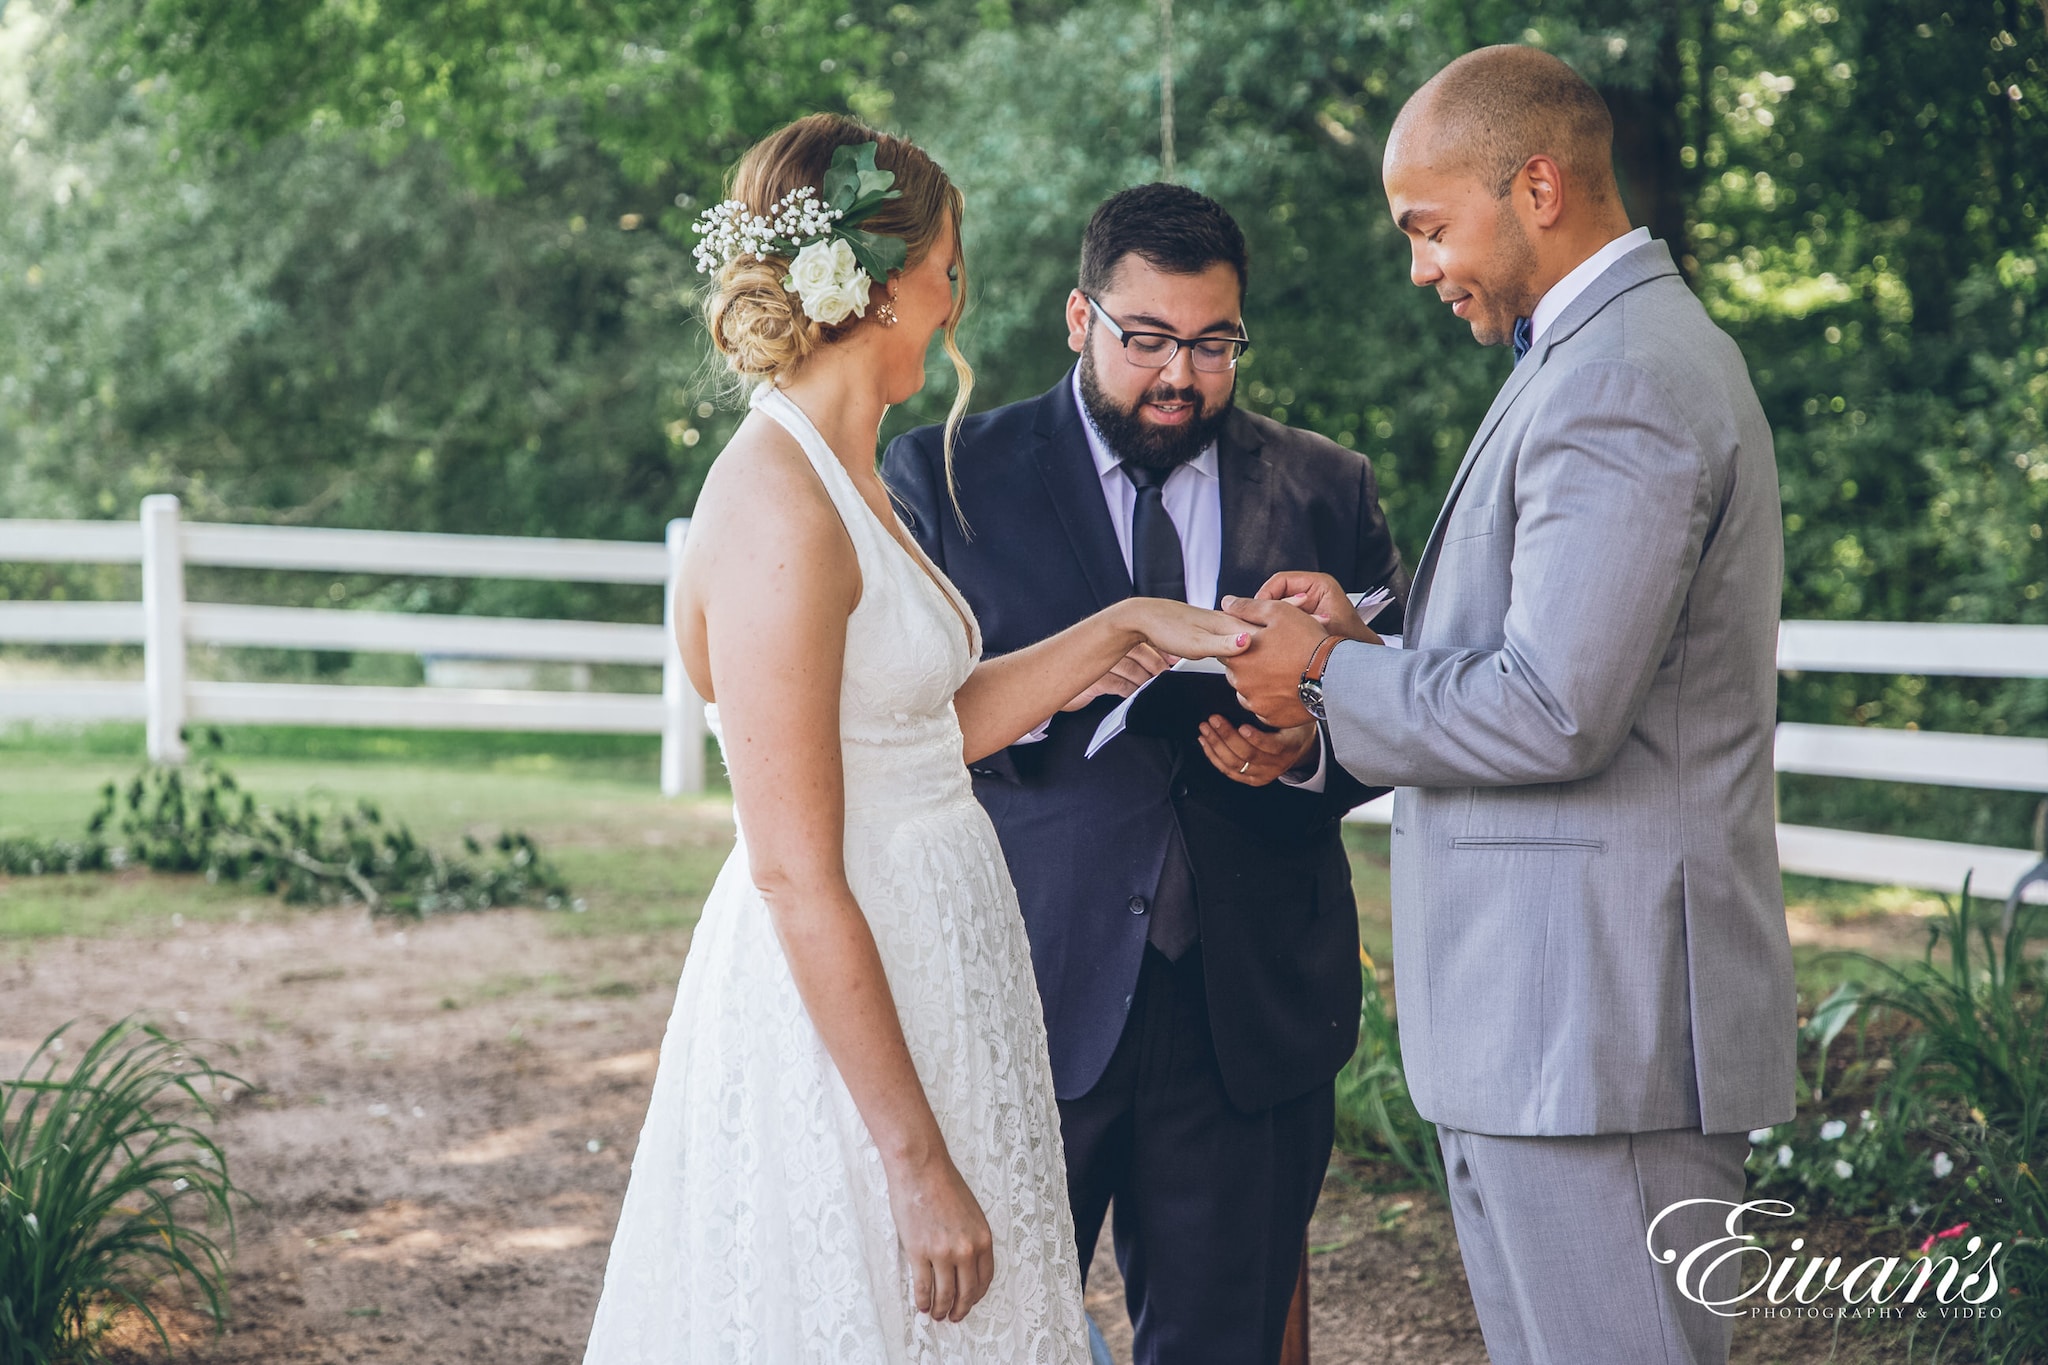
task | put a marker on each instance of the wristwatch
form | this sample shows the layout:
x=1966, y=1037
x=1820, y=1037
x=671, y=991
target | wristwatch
x=1311, y=686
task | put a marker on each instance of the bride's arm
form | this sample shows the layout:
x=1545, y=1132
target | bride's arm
x=777, y=577
x=1008, y=697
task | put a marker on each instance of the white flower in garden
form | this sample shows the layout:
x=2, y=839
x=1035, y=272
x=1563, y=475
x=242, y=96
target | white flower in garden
x=1944, y=1166
x=1759, y=1136
x=1844, y=1169
x=1866, y=1118
x=829, y=281
x=180, y=1185
x=1784, y=1157
x=1832, y=1129
x=30, y=1219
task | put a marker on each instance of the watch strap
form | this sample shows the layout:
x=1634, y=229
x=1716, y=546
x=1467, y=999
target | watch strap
x=1320, y=659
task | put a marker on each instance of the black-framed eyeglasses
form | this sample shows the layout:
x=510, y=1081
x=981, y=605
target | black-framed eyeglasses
x=1156, y=350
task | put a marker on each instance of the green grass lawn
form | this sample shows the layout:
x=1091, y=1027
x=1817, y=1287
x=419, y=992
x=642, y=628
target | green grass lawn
x=637, y=861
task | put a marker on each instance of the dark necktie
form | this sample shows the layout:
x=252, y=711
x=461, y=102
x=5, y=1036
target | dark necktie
x=1525, y=337
x=1158, y=570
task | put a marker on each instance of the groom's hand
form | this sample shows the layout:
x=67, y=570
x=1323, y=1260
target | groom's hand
x=1267, y=675
x=1322, y=597
x=1131, y=672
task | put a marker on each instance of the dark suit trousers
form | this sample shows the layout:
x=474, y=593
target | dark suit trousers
x=1211, y=1203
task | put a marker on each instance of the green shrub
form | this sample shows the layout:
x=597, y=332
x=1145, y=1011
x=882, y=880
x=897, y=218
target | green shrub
x=199, y=820
x=1375, y=1117
x=1979, y=1062
x=100, y=1178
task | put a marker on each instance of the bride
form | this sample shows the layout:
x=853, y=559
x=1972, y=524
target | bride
x=852, y=1152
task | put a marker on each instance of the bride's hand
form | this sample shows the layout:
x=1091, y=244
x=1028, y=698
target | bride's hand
x=945, y=1237
x=1128, y=674
x=1183, y=631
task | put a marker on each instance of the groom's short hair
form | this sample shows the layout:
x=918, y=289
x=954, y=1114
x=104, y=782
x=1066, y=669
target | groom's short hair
x=1170, y=227
x=1497, y=107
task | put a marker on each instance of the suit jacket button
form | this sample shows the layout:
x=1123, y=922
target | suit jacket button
x=1137, y=905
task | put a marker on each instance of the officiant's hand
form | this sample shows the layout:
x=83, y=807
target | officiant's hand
x=1247, y=754
x=1132, y=672
x=1322, y=597
x=1267, y=675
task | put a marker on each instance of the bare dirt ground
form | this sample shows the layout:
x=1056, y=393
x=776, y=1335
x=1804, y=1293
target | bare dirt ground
x=441, y=1117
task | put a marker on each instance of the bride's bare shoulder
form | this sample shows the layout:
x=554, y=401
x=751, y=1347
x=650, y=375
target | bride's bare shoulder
x=763, y=483
x=764, y=516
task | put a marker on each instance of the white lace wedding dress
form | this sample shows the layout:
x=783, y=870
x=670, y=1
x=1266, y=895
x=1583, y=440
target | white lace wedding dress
x=756, y=1227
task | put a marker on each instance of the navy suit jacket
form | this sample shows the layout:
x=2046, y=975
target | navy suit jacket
x=1086, y=838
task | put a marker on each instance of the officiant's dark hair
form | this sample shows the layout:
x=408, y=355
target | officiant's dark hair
x=1169, y=227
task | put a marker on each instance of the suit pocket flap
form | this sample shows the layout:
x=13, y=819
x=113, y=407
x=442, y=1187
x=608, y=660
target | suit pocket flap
x=1531, y=842
x=1470, y=522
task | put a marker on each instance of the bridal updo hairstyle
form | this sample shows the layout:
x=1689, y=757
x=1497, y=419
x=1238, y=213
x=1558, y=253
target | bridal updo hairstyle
x=760, y=327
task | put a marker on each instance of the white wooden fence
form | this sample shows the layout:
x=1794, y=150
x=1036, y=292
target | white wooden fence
x=164, y=623
x=1995, y=762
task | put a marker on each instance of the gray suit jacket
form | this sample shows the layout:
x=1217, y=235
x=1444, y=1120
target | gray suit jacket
x=1589, y=926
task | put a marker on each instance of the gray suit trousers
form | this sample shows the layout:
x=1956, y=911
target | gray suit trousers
x=1553, y=1231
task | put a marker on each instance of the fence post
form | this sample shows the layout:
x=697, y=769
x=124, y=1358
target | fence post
x=163, y=628
x=682, y=725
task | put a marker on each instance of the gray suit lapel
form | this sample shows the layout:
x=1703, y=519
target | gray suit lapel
x=1425, y=567
x=1650, y=261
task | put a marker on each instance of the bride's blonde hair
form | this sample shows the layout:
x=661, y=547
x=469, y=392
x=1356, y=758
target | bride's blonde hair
x=758, y=326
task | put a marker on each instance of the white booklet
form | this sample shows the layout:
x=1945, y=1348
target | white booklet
x=1369, y=604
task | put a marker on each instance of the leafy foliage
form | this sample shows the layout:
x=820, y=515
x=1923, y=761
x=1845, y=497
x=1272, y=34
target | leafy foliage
x=1375, y=1117
x=1975, y=1075
x=106, y=1188
x=199, y=820
x=423, y=265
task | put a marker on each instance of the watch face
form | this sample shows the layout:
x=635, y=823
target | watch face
x=1312, y=697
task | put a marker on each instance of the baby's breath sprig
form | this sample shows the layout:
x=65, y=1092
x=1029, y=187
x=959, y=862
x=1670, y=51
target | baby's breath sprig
x=853, y=191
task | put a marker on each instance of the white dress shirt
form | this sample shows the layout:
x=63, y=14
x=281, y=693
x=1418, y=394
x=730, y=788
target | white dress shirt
x=1551, y=306
x=1194, y=503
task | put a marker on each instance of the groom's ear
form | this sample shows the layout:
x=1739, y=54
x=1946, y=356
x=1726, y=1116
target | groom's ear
x=1077, y=321
x=1539, y=185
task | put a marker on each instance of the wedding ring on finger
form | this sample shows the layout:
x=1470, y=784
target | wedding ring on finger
x=1244, y=767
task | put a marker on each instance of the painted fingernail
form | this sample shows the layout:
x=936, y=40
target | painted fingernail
x=1243, y=638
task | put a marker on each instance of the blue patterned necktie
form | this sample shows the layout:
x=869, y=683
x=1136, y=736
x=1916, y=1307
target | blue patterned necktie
x=1524, y=339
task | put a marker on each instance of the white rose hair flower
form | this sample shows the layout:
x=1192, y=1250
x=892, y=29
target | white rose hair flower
x=833, y=264
x=829, y=282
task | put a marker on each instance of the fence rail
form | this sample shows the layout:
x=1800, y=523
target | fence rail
x=164, y=623
x=1992, y=762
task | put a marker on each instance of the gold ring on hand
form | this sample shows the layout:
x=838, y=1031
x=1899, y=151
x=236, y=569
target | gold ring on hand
x=1244, y=767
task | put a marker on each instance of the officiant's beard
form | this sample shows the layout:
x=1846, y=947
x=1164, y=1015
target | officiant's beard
x=1130, y=437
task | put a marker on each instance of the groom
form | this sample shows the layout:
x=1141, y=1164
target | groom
x=1595, y=985
x=1191, y=919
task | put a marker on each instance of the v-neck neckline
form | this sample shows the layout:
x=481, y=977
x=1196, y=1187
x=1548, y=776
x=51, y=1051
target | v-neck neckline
x=910, y=549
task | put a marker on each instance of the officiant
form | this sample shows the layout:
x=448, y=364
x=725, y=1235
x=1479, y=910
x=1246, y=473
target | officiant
x=1186, y=890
